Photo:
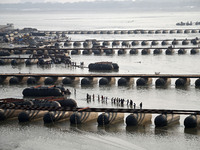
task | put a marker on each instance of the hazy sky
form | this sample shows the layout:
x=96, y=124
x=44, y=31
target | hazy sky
x=53, y=1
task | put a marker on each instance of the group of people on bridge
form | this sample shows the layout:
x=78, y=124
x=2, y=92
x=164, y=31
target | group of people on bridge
x=114, y=101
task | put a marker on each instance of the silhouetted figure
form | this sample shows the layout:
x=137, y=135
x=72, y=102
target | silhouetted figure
x=131, y=103
x=141, y=105
x=134, y=105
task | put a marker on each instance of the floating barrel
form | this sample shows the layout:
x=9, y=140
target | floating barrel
x=109, y=51
x=185, y=42
x=144, y=81
x=182, y=51
x=195, y=41
x=179, y=31
x=194, y=51
x=124, y=32
x=110, y=118
x=97, y=51
x=15, y=80
x=134, y=51
x=106, y=80
x=166, y=119
x=151, y=32
x=145, y=51
x=77, y=32
x=117, y=32
x=90, y=32
x=71, y=32
x=87, y=52
x=197, y=83
x=9, y=113
x=50, y=80
x=194, y=31
x=172, y=31
x=4, y=53
x=68, y=44
x=87, y=80
x=110, y=32
x=77, y=44
x=137, y=31
x=29, y=115
x=160, y=82
x=68, y=102
x=175, y=42
x=125, y=43
x=187, y=31
x=30, y=62
x=83, y=117
x=32, y=80
x=124, y=81
x=169, y=51
x=103, y=32
x=144, y=31
x=96, y=43
x=135, y=43
x=75, y=52
x=138, y=119
x=165, y=31
x=130, y=32
x=115, y=43
x=165, y=43
x=55, y=116
x=182, y=82
x=15, y=62
x=40, y=52
x=2, y=62
x=106, y=43
x=121, y=51
x=83, y=32
x=157, y=51
x=154, y=42
x=144, y=43
x=192, y=121
x=17, y=52
x=35, y=80
x=2, y=79
x=103, y=66
x=158, y=32
x=69, y=80
x=87, y=44
x=43, y=91
x=96, y=32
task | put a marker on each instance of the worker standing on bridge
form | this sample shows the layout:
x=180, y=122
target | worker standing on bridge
x=134, y=105
x=93, y=97
x=141, y=105
x=131, y=103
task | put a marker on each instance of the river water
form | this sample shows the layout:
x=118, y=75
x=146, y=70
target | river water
x=35, y=135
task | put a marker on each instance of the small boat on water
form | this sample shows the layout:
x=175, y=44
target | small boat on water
x=39, y=91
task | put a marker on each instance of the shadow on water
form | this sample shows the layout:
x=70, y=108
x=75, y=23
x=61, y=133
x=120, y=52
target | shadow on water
x=112, y=128
x=183, y=88
x=166, y=87
x=193, y=131
x=139, y=129
x=146, y=87
x=165, y=131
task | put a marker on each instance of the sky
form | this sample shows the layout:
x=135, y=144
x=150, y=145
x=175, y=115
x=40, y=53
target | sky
x=53, y=1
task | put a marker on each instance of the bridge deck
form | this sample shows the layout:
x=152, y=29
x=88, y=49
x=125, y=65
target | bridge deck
x=103, y=75
x=87, y=109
